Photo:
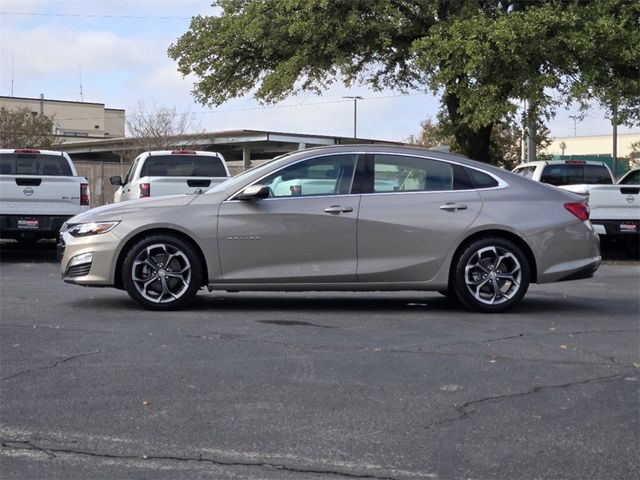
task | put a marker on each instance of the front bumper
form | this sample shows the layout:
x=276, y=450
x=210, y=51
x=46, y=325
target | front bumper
x=100, y=271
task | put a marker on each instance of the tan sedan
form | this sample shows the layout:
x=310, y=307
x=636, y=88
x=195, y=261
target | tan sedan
x=350, y=218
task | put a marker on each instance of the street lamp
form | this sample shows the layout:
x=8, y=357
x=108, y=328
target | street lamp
x=355, y=99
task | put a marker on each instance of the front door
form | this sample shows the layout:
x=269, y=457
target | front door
x=305, y=232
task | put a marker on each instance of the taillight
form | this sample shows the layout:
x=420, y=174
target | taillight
x=84, y=194
x=579, y=209
x=26, y=150
x=145, y=190
x=183, y=152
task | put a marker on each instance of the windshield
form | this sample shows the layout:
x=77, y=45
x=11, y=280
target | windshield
x=238, y=179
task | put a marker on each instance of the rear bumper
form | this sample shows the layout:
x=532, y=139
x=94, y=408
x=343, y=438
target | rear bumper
x=586, y=271
x=31, y=226
x=570, y=252
x=617, y=228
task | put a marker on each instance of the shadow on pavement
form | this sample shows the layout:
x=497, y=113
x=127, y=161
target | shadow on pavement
x=42, y=252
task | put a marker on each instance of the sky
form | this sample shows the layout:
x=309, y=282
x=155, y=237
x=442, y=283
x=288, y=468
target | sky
x=117, y=51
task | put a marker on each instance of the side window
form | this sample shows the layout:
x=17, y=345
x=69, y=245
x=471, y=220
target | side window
x=330, y=175
x=481, y=179
x=396, y=173
x=632, y=178
x=132, y=169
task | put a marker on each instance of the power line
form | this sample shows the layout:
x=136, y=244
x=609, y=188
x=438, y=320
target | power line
x=256, y=108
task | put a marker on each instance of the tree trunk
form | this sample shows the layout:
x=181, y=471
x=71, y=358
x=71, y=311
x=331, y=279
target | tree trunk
x=475, y=144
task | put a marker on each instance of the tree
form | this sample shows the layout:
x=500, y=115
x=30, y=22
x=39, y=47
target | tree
x=482, y=56
x=431, y=135
x=23, y=128
x=506, y=139
x=158, y=128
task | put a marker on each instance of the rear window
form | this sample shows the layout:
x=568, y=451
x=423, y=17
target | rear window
x=575, y=173
x=34, y=164
x=183, y=166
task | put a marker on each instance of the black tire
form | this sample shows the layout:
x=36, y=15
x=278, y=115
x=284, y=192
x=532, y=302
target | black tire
x=162, y=272
x=491, y=275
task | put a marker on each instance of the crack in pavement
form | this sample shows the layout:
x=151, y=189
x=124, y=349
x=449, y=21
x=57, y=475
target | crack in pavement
x=53, y=365
x=464, y=410
x=14, y=444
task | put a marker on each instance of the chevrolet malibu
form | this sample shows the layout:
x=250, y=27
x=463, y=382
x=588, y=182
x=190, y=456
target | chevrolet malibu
x=348, y=218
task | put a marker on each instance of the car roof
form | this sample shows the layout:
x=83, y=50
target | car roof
x=561, y=162
x=181, y=152
x=36, y=151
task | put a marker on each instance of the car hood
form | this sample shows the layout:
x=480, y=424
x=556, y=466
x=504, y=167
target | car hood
x=117, y=211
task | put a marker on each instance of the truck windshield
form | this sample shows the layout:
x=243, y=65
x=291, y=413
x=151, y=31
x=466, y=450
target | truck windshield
x=183, y=166
x=576, y=174
x=34, y=164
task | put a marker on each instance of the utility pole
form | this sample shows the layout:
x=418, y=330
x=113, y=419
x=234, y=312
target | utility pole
x=355, y=99
x=575, y=119
x=531, y=134
x=614, y=123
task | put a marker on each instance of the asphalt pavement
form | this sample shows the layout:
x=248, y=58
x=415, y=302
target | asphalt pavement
x=404, y=385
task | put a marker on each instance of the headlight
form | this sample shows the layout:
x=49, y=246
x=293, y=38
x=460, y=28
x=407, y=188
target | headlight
x=93, y=228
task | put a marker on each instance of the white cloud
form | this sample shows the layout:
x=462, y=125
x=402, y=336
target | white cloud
x=45, y=50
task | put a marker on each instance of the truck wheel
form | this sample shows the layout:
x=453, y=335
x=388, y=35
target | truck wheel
x=491, y=275
x=162, y=272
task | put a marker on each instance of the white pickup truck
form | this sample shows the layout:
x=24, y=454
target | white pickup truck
x=614, y=208
x=39, y=191
x=167, y=172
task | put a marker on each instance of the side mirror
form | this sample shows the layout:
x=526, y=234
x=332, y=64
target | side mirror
x=116, y=180
x=254, y=192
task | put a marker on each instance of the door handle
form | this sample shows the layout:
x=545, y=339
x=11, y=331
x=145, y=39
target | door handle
x=338, y=209
x=452, y=207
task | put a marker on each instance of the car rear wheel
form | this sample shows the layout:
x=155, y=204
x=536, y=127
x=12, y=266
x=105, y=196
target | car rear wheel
x=491, y=275
x=162, y=272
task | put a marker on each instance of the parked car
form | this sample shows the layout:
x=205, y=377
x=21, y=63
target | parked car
x=39, y=191
x=614, y=209
x=169, y=172
x=363, y=217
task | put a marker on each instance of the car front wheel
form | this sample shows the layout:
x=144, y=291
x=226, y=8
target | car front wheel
x=162, y=272
x=491, y=275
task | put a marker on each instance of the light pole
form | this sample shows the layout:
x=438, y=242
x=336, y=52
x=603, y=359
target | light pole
x=355, y=99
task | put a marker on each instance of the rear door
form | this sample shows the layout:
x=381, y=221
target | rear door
x=412, y=212
x=305, y=232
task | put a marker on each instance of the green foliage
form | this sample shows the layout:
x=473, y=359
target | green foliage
x=506, y=139
x=610, y=58
x=482, y=56
x=23, y=128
